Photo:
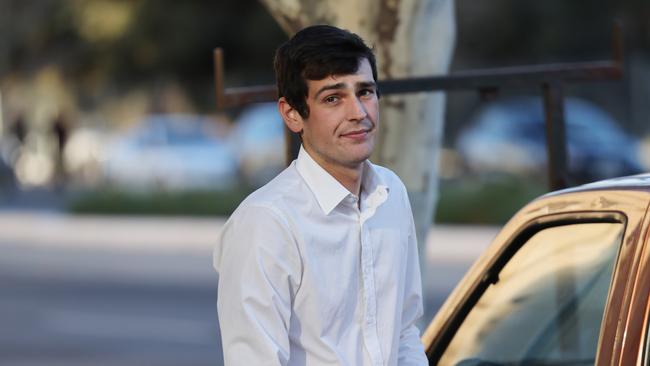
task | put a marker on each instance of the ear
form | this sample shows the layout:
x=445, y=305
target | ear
x=291, y=117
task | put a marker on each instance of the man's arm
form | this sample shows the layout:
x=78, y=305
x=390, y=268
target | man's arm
x=411, y=350
x=259, y=271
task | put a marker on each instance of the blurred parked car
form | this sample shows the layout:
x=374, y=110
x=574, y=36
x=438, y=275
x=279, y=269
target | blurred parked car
x=174, y=152
x=258, y=139
x=509, y=136
x=565, y=282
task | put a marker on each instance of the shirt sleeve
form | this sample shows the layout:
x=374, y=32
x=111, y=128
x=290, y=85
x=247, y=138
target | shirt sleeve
x=259, y=272
x=411, y=349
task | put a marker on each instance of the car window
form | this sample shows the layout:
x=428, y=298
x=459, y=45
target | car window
x=547, y=304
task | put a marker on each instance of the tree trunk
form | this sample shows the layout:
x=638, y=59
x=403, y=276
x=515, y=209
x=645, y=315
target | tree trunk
x=410, y=38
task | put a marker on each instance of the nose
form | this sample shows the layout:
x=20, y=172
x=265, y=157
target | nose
x=357, y=110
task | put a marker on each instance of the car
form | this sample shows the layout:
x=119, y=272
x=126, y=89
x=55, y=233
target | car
x=509, y=136
x=171, y=152
x=258, y=141
x=565, y=282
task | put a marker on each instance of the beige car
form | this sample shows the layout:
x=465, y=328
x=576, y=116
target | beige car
x=566, y=282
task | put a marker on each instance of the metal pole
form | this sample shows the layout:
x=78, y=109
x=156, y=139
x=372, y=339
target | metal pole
x=2, y=123
x=218, y=77
x=293, y=145
x=555, y=135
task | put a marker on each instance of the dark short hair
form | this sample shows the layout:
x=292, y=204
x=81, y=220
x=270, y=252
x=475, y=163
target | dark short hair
x=315, y=53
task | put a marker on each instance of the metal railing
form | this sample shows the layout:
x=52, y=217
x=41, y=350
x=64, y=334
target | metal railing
x=549, y=78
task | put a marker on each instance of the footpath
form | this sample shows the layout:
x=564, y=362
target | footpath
x=190, y=235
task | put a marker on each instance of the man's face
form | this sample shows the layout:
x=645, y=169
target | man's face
x=343, y=118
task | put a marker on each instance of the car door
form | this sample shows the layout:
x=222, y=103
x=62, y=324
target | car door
x=555, y=287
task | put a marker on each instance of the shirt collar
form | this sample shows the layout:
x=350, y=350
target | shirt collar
x=371, y=180
x=328, y=191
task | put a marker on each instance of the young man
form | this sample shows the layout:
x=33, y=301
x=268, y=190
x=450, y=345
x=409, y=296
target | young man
x=319, y=267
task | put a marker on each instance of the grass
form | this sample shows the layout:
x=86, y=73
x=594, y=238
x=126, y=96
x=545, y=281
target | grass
x=191, y=203
x=485, y=200
x=470, y=200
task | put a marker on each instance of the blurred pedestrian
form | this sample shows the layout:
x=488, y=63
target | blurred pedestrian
x=60, y=130
x=18, y=129
x=17, y=136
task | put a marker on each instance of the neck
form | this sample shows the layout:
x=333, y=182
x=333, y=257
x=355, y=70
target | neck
x=348, y=176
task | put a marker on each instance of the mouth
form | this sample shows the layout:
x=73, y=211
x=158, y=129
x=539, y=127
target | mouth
x=357, y=134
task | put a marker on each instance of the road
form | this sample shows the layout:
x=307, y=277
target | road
x=138, y=291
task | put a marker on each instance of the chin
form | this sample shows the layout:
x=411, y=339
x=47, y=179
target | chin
x=362, y=156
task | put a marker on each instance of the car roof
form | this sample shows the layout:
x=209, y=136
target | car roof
x=633, y=182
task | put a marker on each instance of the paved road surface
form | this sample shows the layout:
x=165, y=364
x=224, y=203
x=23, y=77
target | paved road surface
x=137, y=291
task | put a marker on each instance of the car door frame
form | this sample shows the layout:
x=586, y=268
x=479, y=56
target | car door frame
x=635, y=337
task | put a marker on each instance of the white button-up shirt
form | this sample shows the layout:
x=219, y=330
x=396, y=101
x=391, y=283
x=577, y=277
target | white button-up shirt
x=307, y=276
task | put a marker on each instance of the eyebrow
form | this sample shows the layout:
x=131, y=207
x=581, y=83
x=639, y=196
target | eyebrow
x=338, y=86
x=367, y=84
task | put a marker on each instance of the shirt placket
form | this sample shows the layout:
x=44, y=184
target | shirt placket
x=369, y=294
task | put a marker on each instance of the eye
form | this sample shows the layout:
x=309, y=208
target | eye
x=331, y=99
x=366, y=92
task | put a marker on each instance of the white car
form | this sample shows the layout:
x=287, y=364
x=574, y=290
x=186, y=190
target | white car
x=258, y=140
x=171, y=152
x=509, y=136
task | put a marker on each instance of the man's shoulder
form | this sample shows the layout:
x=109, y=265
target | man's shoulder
x=266, y=207
x=260, y=221
x=274, y=194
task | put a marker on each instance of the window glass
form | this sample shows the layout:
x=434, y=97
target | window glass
x=548, y=303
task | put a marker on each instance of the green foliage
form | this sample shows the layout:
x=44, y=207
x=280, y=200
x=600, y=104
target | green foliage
x=468, y=200
x=485, y=200
x=191, y=203
x=106, y=47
